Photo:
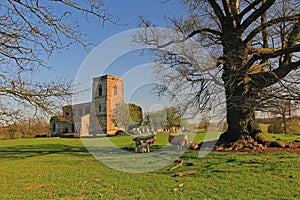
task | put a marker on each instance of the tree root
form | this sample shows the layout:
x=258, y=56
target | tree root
x=243, y=143
x=254, y=142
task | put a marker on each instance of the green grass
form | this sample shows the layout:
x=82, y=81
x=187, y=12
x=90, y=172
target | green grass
x=283, y=137
x=62, y=169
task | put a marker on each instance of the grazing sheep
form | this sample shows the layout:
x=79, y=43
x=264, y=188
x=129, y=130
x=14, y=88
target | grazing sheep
x=142, y=147
x=143, y=143
x=178, y=140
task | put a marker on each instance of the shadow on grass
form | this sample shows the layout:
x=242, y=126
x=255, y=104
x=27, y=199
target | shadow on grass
x=27, y=151
x=153, y=148
x=32, y=150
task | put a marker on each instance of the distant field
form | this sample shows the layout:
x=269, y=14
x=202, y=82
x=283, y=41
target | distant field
x=293, y=128
x=283, y=137
x=53, y=168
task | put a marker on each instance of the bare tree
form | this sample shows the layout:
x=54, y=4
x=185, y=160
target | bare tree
x=31, y=30
x=256, y=46
x=285, y=108
x=283, y=97
x=173, y=119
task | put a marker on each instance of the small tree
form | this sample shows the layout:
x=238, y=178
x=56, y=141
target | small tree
x=146, y=120
x=275, y=127
x=281, y=106
x=172, y=118
x=136, y=114
x=127, y=115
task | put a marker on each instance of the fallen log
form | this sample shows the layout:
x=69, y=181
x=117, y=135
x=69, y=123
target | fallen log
x=190, y=172
x=176, y=166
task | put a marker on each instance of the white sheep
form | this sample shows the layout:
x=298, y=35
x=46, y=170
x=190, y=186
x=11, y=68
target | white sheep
x=142, y=147
x=143, y=143
x=178, y=140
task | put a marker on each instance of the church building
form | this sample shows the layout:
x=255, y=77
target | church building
x=92, y=117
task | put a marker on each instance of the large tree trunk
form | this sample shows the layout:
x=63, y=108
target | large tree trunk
x=241, y=122
x=240, y=115
x=241, y=96
x=242, y=132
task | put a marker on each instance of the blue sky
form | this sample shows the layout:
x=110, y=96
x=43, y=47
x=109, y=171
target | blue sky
x=128, y=11
x=68, y=63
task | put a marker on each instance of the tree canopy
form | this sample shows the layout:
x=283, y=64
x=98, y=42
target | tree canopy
x=253, y=46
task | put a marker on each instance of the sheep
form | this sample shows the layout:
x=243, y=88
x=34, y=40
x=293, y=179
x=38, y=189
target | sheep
x=143, y=143
x=178, y=140
x=142, y=147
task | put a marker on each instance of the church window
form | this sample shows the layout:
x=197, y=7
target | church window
x=116, y=90
x=100, y=90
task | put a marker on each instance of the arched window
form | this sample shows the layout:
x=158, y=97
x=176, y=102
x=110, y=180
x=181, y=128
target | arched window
x=116, y=90
x=99, y=90
x=99, y=108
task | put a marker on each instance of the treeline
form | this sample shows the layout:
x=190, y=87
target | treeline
x=131, y=117
x=279, y=125
x=166, y=119
x=276, y=119
x=28, y=129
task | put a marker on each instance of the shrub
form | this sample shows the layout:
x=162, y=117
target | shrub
x=275, y=128
x=293, y=127
x=119, y=133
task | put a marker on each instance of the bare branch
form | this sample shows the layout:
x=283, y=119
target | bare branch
x=268, y=24
x=250, y=7
x=273, y=53
x=266, y=79
x=30, y=31
x=217, y=10
x=256, y=14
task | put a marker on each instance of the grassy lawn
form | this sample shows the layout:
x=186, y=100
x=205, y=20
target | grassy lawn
x=283, y=137
x=56, y=168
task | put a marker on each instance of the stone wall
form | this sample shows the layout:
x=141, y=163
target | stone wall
x=107, y=92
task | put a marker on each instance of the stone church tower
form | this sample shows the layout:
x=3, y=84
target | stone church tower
x=107, y=92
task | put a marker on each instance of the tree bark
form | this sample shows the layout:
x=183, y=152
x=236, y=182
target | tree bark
x=240, y=114
x=242, y=133
x=241, y=93
x=284, y=123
